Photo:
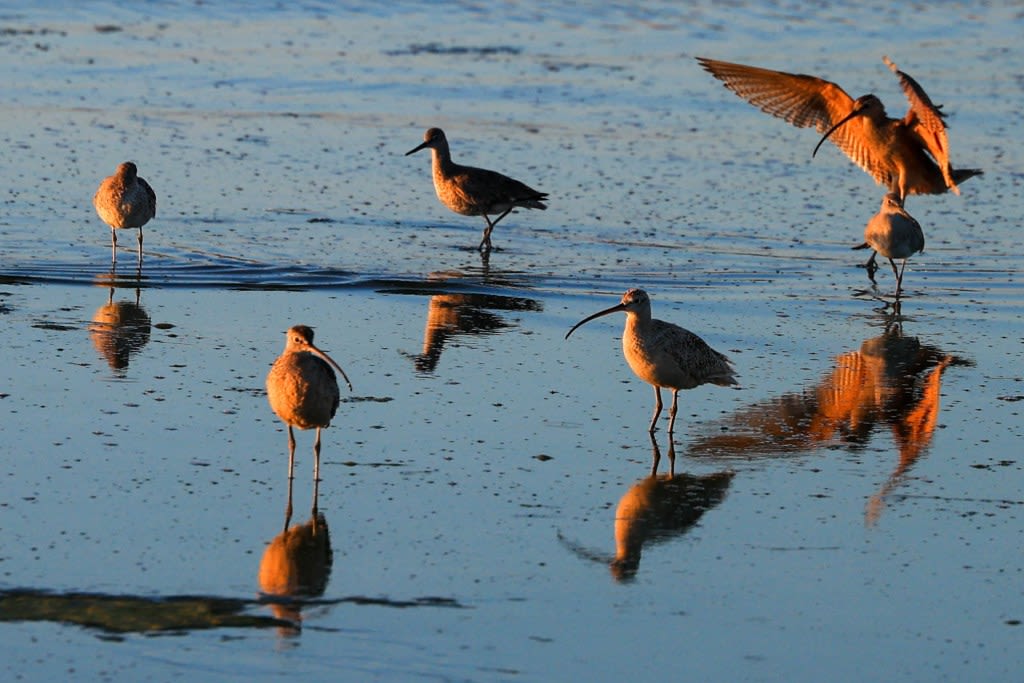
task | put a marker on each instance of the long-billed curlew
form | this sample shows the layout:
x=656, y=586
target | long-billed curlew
x=124, y=200
x=303, y=392
x=893, y=233
x=908, y=155
x=663, y=354
x=475, y=191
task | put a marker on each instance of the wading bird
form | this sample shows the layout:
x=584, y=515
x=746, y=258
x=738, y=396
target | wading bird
x=908, y=155
x=893, y=233
x=303, y=391
x=124, y=200
x=665, y=355
x=473, y=191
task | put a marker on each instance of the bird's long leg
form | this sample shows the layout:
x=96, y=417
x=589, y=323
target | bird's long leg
x=291, y=453
x=656, y=455
x=485, y=243
x=657, y=409
x=672, y=413
x=288, y=507
x=316, y=495
x=291, y=475
x=316, y=456
x=871, y=266
x=113, y=246
x=899, y=275
x=140, y=246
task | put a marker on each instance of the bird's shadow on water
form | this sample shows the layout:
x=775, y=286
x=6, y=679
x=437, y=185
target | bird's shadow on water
x=293, y=577
x=655, y=510
x=892, y=380
x=120, y=329
x=115, y=616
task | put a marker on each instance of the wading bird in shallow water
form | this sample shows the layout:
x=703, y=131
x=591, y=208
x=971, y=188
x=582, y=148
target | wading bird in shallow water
x=303, y=391
x=475, y=191
x=124, y=200
x=908, y=155
x=893, y=233
x=665, y=355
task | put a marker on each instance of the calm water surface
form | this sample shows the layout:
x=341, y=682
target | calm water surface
x=852, y=512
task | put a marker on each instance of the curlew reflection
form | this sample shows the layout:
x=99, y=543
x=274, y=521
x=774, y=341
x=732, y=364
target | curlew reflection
x=893, y=380
x=119, y=329
x=449, y=315
x=296, y=565
x=657, y=509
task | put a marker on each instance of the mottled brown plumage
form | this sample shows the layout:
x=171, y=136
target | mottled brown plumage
x=124, y=200
x=663, y=354
x=908, y=155
x=303, y=390
x=473, y=191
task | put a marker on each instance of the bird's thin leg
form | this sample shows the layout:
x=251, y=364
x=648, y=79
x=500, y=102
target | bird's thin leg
x=871, y=266
x=140, y=246
x=899, y=281
x=485, y=244
x=288, y=507
x=657, y=409
x=656, y=455
x=316, y=456
x=113, y=246
x=291, y=476
x=316, y=496
x=291, y=453
x=672, y=413
x=898, y=275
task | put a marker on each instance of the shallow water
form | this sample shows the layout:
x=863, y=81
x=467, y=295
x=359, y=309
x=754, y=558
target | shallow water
x=850, y=512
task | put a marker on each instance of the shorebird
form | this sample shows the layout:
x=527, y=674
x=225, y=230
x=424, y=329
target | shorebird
x=909, y=155
x=665, y=355
x=473, y=191
x=303, y=391
x=893, y=233
x=119, y=330
x=124, y=200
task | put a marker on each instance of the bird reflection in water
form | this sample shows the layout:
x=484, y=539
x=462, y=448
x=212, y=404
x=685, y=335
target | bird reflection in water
x=656, y=509
x=119, y=329
x=452, y=314
x=892, y=380
x=296, y=565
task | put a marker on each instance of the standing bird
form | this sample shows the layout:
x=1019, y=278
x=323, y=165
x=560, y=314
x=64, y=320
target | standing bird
x=475, y=191
x=665, y=355
x=303, y=391
x=124, y=200
x=893, y=233
x=908, y=155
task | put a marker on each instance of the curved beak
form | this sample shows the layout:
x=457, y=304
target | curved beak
x=614, y=309
x=418, y=147
x=856, y=112
x=331, y=361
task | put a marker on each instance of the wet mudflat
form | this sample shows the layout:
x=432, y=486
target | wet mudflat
x=486, y=509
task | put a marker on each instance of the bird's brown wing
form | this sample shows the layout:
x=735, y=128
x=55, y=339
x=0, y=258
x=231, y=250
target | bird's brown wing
x=150, y=195
x=806, y=101
x=926, y=121
x=802, y=100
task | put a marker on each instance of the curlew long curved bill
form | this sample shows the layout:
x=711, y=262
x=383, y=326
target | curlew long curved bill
x=614, y=309
x=856, y=112
x=330, y=360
